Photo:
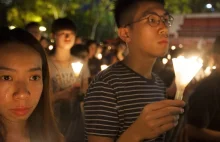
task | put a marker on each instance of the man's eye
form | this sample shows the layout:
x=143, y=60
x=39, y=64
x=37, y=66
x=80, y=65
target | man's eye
x=35, y=78
x=6, y=78
x=153, y=19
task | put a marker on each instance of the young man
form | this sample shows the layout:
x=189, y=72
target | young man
x=204, y=105
x=65, y=83
x=33, y=28
x=126, y=102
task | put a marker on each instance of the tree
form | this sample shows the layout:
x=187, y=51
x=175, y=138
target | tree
x=42, y=11
x=94, y=18
x=178, y=7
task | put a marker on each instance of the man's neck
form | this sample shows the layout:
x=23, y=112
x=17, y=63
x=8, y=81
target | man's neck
x=62, y=55
x=140, y=64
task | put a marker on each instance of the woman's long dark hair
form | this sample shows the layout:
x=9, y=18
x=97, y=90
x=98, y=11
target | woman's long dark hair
x=41, y=123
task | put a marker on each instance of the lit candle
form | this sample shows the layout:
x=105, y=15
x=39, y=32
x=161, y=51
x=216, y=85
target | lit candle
x=185, y=69
x=77, y=67
x=207, y=71
x=103, y=67
x=99, y=56
x=164, y=61
x=214, y=67
x=50, y=47
x=169, y=56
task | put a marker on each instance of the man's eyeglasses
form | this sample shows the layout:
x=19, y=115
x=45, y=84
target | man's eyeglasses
x=154, y=20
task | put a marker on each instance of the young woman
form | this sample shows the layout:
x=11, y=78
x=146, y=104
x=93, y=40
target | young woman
x=25, y=109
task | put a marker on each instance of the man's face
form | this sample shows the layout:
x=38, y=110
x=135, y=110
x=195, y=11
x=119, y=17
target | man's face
x=145, y=39
x=65, y=39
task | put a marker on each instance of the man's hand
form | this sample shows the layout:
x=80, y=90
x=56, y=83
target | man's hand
x=154, y=120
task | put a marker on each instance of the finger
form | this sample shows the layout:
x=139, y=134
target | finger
x=164, y=112
x=165, y=120
x=166, y=103
x=164, y=128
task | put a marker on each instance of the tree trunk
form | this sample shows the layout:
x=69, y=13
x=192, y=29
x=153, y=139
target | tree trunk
x=94, y=27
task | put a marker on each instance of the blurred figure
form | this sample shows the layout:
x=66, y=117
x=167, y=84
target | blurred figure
x=33, y=28
x=80, y=51
x=44, y=42
x=93, y=63
x=25, y=106
x=121, y=51
x=79, y=40
x=204, y=105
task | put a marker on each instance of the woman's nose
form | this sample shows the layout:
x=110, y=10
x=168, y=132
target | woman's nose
x=21, y=91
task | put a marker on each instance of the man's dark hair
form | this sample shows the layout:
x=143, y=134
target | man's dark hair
x=216, y=45
x=31, y=25
x=63, y=24
x=125, y=9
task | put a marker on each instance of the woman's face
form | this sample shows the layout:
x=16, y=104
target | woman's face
x=21, y=82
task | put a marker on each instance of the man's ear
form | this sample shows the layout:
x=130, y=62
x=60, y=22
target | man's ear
x=124, y=34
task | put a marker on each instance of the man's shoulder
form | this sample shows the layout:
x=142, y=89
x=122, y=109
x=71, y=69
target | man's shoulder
x=111, y=73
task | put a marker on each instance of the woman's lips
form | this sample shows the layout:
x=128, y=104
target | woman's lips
x=21, y=111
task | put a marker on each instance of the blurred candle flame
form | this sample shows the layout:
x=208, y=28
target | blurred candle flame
x=185, y=69
x=99, y=56
x=103, y=67
x=77, y=67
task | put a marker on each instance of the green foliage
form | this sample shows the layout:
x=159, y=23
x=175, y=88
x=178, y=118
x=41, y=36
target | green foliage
x=178, y=6
x=94, y=19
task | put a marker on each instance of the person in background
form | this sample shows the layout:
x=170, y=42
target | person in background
x=79, y=40
x=126, y=102
x=25, y=105
x=67, y=85
x=80, y=51
x=204, y=105
x=93, y=63
x=44, y=42
x=33, y=28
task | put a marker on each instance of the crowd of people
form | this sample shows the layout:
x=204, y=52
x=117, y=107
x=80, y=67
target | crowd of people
x=42, y=99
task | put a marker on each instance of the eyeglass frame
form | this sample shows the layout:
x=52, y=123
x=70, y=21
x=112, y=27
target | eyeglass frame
x=152, y=13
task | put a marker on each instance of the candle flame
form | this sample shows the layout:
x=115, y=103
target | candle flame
x=99, y=56
x=185, y=69
x=77, y=67
x=103, y=67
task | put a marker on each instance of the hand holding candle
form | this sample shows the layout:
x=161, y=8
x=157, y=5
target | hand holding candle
x=185, y=69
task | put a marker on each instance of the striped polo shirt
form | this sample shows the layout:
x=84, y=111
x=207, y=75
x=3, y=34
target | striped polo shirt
x=115, y=99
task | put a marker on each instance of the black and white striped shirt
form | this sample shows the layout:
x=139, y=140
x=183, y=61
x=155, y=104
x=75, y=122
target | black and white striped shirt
x=115, y=99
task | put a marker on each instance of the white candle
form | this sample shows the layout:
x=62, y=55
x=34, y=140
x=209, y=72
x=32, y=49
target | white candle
x=185, y=69
x=77, y=67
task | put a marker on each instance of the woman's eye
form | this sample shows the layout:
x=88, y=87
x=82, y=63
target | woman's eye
x=6, y=78
x=35, y=78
